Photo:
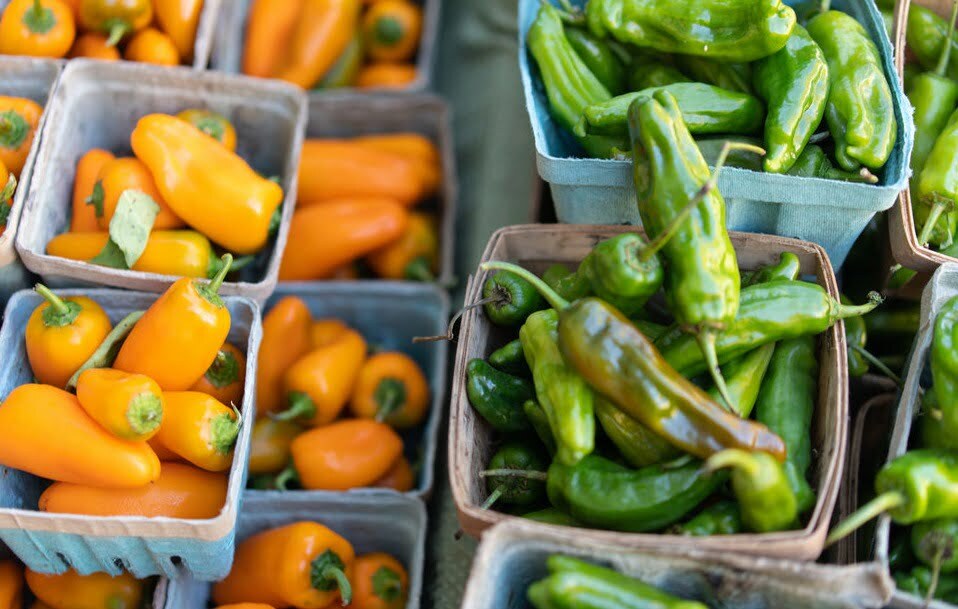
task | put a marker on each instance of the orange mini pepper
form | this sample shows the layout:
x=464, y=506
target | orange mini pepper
x=181, y=491
x=391, y=29
x=286, y=338
x=40, y=28
x=212, y=124
x=19, y=118
x=245, y=606
x=335, y=169
x=150, y=45
x=179, y=19
x=84, y=217
x=322, y=238
x=62, y=334
x=303, y=564
x=8, y=186
x=115, y=18
x=268, y=22
x=94, y=46
x=40, y=605
x=391, y=388
x=386, y=76
x=200, y=429
x=163, y=453
x=413, y=256
x=11, y=585
x=269, y=447
x=326, y=331
x=225, y=377
x=96, y=591
x=400, y=477
x=320, y=382
x=86, y=454
x=323, y=30
x=415, y=147
x=130, y=406
x=122, y=174
x=379, y=582
x=178, y=337
x=210, y=188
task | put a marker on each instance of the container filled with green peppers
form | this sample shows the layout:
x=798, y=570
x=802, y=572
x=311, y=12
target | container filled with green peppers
x=819, y=92
x=613, y=466
x=519, y=567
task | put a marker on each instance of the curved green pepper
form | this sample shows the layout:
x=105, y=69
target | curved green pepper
x=511, y=299
x=933, y=537
x=705, y=109
x=570, y=285
x=919, y=580
x=939, y=431
x=728, y=76
x=521, y=489
x=637, y=445
x=540, y=423
x=764, y=495
x=551, y=515
x=497, y=396
x=743, y=158
x=510, y=359
x=745, y=30
x=788, y=267
x=814, y=163
x=599, y=58
x=743, y=378
x=860, y=111
x=794, y=84
x=935, y=194
x=649, y=75
x=925, y=37
x=720, y=518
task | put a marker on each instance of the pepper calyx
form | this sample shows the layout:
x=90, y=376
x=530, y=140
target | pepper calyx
x=13, y=129
x=39, y=19
x=60, y=312
x=144, y=413
x=327, y=572
x=210, y=291
x=224, y=371
x=387, y=585
x=390, y=396
x=224, y=429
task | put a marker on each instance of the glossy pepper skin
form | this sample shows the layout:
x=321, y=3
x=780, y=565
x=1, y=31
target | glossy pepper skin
x=860, y=111
x=269, y=21
x=61, y=334
x=400, y=477
x=40, y=28
x=927, y=479
x=95, y=590
x=510, y=359
x=625, y=270
x=414, y=256
x=226, y=376
x=199, y=429
x=150, y=45
x=345, y=170
x=936, y=190
x=179, y=19
x=87, y=455
x=116, y=18
x=794, y=84
x=720, y=518
x=705, y=109
x=599, y=58
x=925, y=36
x=128, y=173
x=648, y=75
x=743, y=378
x=391, y=388
x=763, y=491
x=286, y=338
x=516, y=490
x=814, y=163
x=513, y=299
x=210, y=188
x=323, y=30
x=83, y=219
x=743, y=31
x=93, y=46
x=932, y=536
x=130, y=406
x=563, y=394
x=181, y=491
x=270, y=445
x=212, y=124
x=392, y=30
x=728, y=76
x=787, y=267
x=638, y=445
x=379, y=582
x=498, y=396
x=19, y=118
x=939, y=431
x=352, y=453
x=303, y=564
x=601, y=493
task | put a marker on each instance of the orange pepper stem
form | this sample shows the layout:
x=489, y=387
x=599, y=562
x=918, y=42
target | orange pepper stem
x=223, y=432
x=211, y=289
x=145, y=413
x=300, y=406
x=418, y=269
x=327, y=573
x=387, y=585
x=390, y=395
x=61, y=312
x=286, y=477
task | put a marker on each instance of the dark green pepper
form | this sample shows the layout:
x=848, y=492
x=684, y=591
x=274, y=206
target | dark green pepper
x=510, y=299
x=571, y=285
x=925, y=36
x=935, y=192
x=551, y=515
x=919, y=581
x=742, y=31
x=856, y=337
x=720, y=518
x=497, y=396
x=940, y=430
x=651, y=329
x=894, y=323
x=762, y=489
x=540, y=423
x=728, y=76
x=564, y=395
x=705, y=109
x=652, y=74
x=787, y=267
x=934, y=543
x=860, y=110
x=743, y=158
x=743, y=377
x=599, y=58
x=814, y=163
x=794, y=84
x=510, y=358
x=637, y=445
x=600, y=493
x=515, y=476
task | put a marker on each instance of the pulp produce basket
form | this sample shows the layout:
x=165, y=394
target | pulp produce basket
x=230, y=40
x=97, y=105
x=470, y=438
x=389, y=315
x=53, y=543
x=830, y=213
x=389, y=523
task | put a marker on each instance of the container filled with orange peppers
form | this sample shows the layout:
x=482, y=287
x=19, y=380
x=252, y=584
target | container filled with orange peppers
x=147, y=174
x=160, y=32
x=345, y=399
x=330, y=44
x=136, y=459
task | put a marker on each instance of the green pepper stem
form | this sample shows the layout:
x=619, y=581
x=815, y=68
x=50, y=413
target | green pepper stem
x=285, y=477
x=945, y=56
x=554, y=300
x=452, y=322
x=527, y=474
x=300, y=406
x=874, y=508
x=491, y=499
x=7, y=191
x=342, y=582
x=867, y=176
x=734, y=458
x=877, y=363
x=37, y=9
x=390, y=396
x=844, y=311
x=218, y=279
x=238, y=264
x=418, y=270
x=56, y=303
x=118, y=29
x=825, y=6
x=939, y=205
x=706, y=340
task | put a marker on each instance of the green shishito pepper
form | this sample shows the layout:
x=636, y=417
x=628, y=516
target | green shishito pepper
x=920, y=485
x=509, y=299
x=646, y=75
x=940, y=430
x=814, y=163
x=934, y=543
x=571, y=285
x=712, y=148
x=564, y=395
x=935, y=193
x=728, y=76
x=925, y=36
x=740, y=32
x=720, y=518
x=794, y=84
x=788, y=267
x=621, y=364
x=601, y=493
x=705, y=109
x=540, y=423
x=764, y=495
x=856, y=337
x=636, y=443
x=551, y=515
x=516, y=476
x=510, y=359
x=743, y=378
x=599, y=58
x=575, y=584
x=919, y=581
x=497, y=396
x=569, y=84
x=860, y=111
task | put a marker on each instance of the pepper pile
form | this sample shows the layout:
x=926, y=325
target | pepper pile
x=146, y=390
x=65, y=591
x=309, y=373
x=307, y=565
x=161, y=32
x=733, y=68
x=159, y=210
x=617, y=355
x=355, y=204
x=18, y=126
x=334, y=43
